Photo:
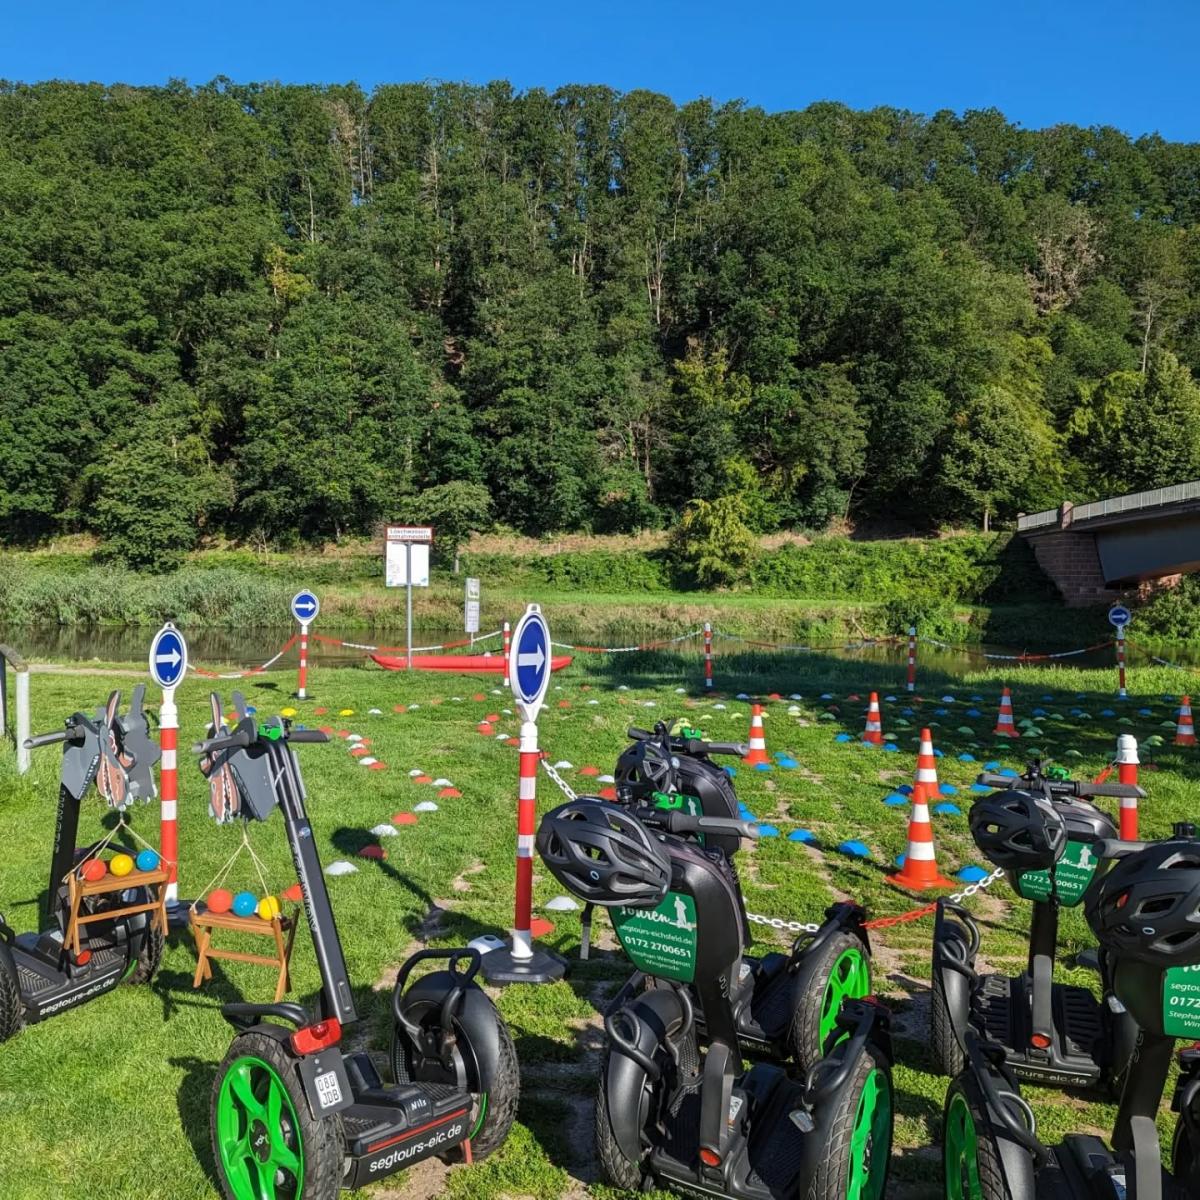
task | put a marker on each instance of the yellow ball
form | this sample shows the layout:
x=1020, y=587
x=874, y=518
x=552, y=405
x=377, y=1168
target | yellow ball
x=268, y=908
x=121, y=864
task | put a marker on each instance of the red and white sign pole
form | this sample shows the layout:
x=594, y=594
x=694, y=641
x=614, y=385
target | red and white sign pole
x=1127, y=772
x=911, y=685
x=708, y=678
x=305, y=607
x=529, y=672
x=302, y=682
x=168, y=788
x=1121, y=692
x=507, y=648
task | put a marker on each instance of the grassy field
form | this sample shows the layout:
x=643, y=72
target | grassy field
x=111, y=1100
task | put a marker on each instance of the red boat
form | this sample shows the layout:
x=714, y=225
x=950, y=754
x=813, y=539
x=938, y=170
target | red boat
x=466, y=663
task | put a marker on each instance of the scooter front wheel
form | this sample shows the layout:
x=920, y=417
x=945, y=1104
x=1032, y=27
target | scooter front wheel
x=264, y=1138
x=855, y=1166
x=838, y=969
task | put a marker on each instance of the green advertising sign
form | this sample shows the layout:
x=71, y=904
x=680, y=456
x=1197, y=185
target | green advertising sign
x=1072, y=875
x=677, y=800
x=660, y=941
x=1181, y=1002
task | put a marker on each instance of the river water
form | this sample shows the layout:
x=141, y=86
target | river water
x=226, y=649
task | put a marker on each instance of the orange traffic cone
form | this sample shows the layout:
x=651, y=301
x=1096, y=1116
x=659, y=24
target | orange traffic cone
x=758, y=742
x=1185, y=731
x=919, y=870
x=874, y=730
x=1004, y=722
x=925, y=781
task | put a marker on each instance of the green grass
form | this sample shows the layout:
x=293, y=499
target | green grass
x=114, y=1095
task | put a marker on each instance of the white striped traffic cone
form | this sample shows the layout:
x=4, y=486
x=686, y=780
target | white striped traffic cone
x=919, y=870
x=873, y=733
x=1185, y=731
x=1004, y=722
x=758, y=742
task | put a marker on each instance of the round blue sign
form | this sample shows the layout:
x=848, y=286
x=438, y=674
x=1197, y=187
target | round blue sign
x=168, y=657
x=529, y=661
x=1119, y=616
x=305, y=607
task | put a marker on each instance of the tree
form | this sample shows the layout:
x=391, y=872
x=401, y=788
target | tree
x=713, y=541
x=1158, y=442
x=455, y=510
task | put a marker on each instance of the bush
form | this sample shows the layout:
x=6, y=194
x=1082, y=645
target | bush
x=713, y=541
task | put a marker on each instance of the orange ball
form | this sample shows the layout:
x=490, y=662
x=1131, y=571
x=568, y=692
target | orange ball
x=220, y=901
x=94, y=869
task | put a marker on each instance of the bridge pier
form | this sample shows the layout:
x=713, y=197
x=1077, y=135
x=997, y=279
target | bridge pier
x=1071, y=560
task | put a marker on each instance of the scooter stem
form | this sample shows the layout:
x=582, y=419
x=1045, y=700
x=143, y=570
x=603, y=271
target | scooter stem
x=1144, y=1083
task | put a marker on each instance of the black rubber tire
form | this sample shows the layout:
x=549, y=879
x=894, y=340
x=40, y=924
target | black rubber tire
x=11, y=1008
x=321, y=1140
x=948, y=1055
x=811, y=982
x=615, y=1168
x=1185, y=1159
x=502, y=1102
x=991, y=1176
x=149, y=956
x=832, y=1178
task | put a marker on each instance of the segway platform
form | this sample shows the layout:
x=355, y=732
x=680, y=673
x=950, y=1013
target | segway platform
x=1077, y=1055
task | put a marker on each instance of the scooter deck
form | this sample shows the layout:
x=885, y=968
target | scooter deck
x=765, y=1166
x=46, y=991
x=1075, y=1058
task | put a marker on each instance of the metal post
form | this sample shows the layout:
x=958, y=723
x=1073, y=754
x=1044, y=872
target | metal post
x=507, y=647
x=168, y=716
x=522, y=936
x=708, y=676
x=1121, y=662
x=408, y=589
x=1127, y=772
x=302, y=687
x=911, y=685
x=15, y=709
x=23, y=731
x=4, y=694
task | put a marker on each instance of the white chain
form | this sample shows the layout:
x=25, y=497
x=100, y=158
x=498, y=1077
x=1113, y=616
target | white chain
x=779, y=923
x=968, y=892
x=567, y=790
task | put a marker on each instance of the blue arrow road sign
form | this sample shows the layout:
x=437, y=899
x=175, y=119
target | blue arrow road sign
x=305, y=607
x=168, y=657
x=1119, y=616
x=529, y=666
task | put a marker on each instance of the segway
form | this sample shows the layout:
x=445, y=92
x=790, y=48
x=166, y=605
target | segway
x=677, y=1110
x=1054, y=1035
x=295, y=1115
x=1145, y=912
x=785, y=1004
x=40, y=974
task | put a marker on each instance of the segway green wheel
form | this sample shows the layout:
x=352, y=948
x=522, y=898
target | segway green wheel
x=836, y=971
x=854, y=1165
x=961, y=1150
x=850, y=979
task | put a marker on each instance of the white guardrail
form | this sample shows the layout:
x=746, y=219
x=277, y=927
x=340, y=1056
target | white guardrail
x=10, y=660
x=1177, y=493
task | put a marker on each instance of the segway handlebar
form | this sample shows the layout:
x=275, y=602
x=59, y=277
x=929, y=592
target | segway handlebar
x=1063, y=787
x=674, y=821
x=307, y=735
x=240, y=738
x=1117, y=848
x=50, y=739
x=691, y=746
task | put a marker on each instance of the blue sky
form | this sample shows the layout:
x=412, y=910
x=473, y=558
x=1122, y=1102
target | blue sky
x=1130, y=64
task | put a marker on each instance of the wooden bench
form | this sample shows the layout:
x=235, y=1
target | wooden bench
x=205, y=923
x=78, y=890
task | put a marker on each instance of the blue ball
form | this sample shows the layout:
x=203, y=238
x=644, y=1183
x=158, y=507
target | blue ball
x=147, y=860
x=245, y=904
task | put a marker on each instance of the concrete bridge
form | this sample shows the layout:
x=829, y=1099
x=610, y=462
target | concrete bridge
x=1096, y=553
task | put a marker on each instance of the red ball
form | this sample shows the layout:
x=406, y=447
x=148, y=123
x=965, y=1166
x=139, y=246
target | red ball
x=220, y=901
x=94, y=869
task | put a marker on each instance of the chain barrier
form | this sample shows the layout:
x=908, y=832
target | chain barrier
x=329, y=641
x=1018, y=658
x=683, y=637
x=250, y=671
x=564, y=786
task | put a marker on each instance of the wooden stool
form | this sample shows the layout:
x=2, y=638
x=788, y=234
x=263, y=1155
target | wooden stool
x=204, y=923
x=155, y=882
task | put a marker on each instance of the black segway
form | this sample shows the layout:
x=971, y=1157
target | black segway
x=785, y=1004
x=680, y=1111
x=40, y=975
x=1054, y=1035
x=295, y=1117
x=1145, y=912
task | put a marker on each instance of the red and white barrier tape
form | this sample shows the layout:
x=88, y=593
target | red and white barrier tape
x=1016, y=657
x=683, y=637
x=249, y=671
x=329, y=641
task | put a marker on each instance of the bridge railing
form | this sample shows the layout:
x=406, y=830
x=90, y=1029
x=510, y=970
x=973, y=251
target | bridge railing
x=1037, y=520
x=1154, y=498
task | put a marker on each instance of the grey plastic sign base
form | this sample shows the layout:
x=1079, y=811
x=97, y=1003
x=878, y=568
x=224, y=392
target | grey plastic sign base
x=499, y=967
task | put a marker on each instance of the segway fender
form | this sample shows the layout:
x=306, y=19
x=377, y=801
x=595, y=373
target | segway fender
x=954, y=961
x=657, y=1013
x=475, y=1015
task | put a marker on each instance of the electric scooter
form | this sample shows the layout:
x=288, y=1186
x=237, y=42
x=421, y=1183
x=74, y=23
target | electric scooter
x=293, y=1113
x=1055, y=1035
x=1145, y=912
x=40, y=975
x=785, y=1004
x=679, y=1111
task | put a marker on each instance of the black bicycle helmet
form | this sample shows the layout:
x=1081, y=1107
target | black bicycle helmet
x=643, y=769
x=603, y=855
x=1018, y=831
x=1147, y=907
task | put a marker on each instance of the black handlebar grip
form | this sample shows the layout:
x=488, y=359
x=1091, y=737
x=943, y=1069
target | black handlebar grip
x=739, y=749
x=307, y=735
x=1117, y=848
x=746, y=829
x=988, y=779
x=238, y=740
x=638, y=735
x=1121, y=790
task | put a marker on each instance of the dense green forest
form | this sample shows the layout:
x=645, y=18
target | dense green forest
x=279, y=313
